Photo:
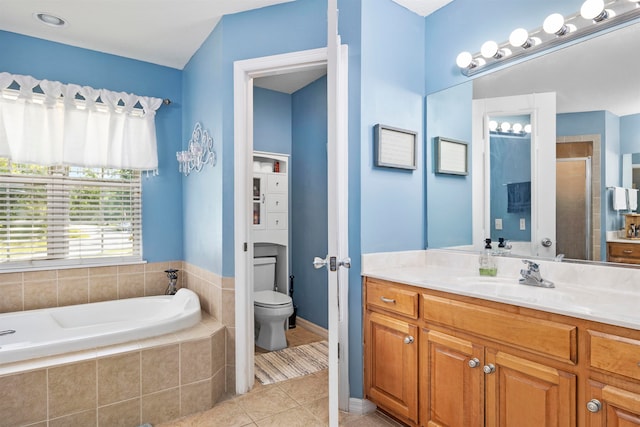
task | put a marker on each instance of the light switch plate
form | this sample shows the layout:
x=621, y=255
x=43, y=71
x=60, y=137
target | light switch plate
x=498, y=223
x=523, y=224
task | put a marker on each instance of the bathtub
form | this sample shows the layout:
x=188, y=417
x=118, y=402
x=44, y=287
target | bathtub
x=50, y=331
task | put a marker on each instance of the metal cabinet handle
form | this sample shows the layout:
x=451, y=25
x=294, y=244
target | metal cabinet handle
x=408, y=339
x=489, y=368
x=594, y=405
x=474, y=363
x=627, y=251
x=388, y=300
x=263, y=198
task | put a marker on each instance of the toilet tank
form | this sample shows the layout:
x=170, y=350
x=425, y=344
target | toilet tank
x=264, y=273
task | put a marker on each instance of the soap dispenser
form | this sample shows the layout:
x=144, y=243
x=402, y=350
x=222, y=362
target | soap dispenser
x=487, y=265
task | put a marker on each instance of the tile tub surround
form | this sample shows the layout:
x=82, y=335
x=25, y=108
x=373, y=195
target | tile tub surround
x=149, y=381
x=55, y=288
x=602, y=293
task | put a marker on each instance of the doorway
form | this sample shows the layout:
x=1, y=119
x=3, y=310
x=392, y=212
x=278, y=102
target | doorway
x=244, y=74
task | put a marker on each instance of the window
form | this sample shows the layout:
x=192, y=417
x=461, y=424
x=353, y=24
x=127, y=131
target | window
x=66, y=215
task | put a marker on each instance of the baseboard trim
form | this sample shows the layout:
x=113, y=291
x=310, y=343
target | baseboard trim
x=361, y=406
x=312, y=327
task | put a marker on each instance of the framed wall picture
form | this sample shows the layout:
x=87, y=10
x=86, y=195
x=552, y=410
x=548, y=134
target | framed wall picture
x=395, y=148
x=452, y=157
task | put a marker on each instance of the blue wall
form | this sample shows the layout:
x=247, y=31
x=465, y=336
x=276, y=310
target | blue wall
x=392, y=79
x=271, y=121
x=308, y=210
x=630, y=134
x=449, y=205
x=510, y=163
x=161, y=195
x=300, y=25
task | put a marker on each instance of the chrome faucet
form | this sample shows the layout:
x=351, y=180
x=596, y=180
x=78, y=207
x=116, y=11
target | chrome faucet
x=172, y=274
x=531, y=276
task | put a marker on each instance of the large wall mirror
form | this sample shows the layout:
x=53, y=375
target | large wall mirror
x=597, y=147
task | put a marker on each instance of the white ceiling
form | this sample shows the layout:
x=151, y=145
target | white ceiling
x=163, y=32
x=598, y=74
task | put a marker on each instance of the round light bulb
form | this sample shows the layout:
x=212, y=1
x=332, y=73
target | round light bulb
x=489, y=49
x=464, y=60
x=505, y=127
x=517, y=127
x=554, y=24
x=493, y=125
x=527, y=128
x=592, y=9
x=519, y=38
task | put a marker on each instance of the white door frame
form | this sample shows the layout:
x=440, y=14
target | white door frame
x=244, y=73
x=542, y=109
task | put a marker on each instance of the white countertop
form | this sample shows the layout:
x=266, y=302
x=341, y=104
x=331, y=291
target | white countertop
x=594, y=292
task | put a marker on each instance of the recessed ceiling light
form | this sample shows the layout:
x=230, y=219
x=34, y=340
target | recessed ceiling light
x=49, y=19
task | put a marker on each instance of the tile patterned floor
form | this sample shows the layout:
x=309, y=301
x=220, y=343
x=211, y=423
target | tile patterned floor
x=297, y=402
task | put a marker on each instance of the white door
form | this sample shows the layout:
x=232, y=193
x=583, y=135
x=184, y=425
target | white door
x=541, y=109
x=244, y=73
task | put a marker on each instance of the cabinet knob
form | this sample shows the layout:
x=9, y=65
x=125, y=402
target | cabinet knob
x=594, y=405
x=408, y=339
x=489, y=368
x=474, y=363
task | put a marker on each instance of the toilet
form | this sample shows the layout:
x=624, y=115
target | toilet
x=271, y=309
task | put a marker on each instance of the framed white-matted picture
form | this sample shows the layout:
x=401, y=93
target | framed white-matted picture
x=395, y=148
x=452, y=156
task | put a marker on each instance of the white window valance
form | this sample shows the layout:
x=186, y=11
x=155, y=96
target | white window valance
x=49, y=123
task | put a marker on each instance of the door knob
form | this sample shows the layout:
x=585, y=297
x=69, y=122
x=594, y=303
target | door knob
x=319, y=262
x=474, y=363
x=489, y=368
x=546, y=242
x=594, y=405
x=346, y=263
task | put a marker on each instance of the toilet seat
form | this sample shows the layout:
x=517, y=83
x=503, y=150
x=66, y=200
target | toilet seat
x=269, y=299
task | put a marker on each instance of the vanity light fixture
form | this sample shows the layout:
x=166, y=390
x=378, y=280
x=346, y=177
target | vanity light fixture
x=505, y=127
x=466, y=60
x=520, y=38
x=517, y=127
x=490, y=49
x=493, y=125
x=199, y=152
x=554, y=24
x=527, y=128
x=594, y=10
x=594, y=16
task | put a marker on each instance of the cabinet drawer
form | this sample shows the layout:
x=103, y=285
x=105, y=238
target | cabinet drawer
x=541, y=336
x=615, y=354
x=623, y=252
x=277, y=203
x=392, y=298
x=277, y=183
x=277, y=221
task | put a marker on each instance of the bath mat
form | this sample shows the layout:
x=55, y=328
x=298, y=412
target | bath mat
x=291, y=362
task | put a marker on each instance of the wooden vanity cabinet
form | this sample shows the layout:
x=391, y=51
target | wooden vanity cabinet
x=474, y=381
x=627, y=253
x=391, y=349
x=473, y=363
x=613, y=398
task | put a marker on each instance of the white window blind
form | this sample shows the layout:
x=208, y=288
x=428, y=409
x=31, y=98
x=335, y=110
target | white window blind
x=57, y=215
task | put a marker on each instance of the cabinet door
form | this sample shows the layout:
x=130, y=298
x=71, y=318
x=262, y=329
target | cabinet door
x=391, y=365
x=611, y=406
x=258, y=202
x=523, y=393
x=452, y=390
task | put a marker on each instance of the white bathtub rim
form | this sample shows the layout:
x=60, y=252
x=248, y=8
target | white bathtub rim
x=128, y=333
